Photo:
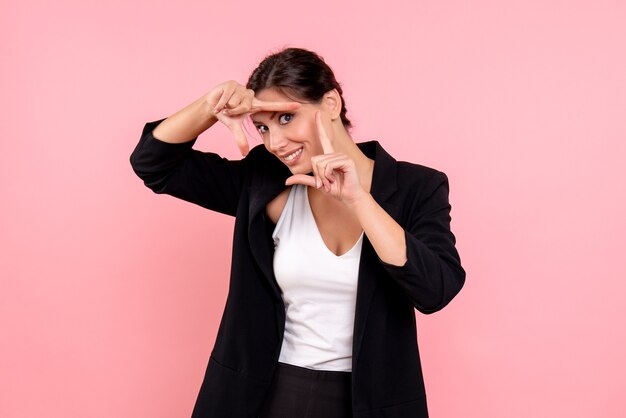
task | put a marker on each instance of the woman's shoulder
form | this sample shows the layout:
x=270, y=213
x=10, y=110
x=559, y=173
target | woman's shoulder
x=417, y=182
x=414, y=172
x=406, y=170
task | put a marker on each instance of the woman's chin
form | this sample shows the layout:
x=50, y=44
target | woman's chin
x=300, y=169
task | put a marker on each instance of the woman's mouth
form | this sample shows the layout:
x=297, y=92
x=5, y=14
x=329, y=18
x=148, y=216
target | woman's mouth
x=293, y=157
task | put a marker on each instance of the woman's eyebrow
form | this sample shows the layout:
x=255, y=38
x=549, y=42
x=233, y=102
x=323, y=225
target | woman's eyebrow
x=271, y=117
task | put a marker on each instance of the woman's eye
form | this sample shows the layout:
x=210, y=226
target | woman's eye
x=282, y=119
x=285, y=118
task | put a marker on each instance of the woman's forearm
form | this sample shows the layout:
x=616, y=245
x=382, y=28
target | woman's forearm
x=385, y=234
x=187, y=123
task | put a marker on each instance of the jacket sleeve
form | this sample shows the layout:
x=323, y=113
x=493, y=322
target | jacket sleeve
x=203, y=178
x=432, y=274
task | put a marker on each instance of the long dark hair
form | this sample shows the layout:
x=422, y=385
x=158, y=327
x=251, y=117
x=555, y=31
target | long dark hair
x=299, y=74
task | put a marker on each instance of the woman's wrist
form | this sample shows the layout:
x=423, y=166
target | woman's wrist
x=186, y=124
x=360, y=202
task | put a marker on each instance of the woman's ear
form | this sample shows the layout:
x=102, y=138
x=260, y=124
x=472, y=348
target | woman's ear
x=332, y=102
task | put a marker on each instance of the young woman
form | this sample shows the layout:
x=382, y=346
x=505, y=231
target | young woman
x=335, y=244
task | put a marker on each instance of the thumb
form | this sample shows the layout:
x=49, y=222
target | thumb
x=236, y=128
x=301, y=179
x=240, y=138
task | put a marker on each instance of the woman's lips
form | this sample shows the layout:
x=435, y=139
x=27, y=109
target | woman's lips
x=292, y=158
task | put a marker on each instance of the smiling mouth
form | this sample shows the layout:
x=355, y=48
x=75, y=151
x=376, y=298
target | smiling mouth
x=293, y=155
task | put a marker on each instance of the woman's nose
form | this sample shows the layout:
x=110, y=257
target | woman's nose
x=277, y=140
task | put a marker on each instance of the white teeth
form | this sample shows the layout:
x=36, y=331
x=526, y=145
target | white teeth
x=294, y=155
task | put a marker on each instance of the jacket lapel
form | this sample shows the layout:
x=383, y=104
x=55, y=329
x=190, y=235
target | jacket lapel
x=263, y=189
x=384, y=185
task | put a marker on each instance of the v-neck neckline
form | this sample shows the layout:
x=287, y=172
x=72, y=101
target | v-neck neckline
x=319, y=234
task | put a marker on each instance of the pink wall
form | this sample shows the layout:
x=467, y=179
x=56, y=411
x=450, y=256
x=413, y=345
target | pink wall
x=111, y=295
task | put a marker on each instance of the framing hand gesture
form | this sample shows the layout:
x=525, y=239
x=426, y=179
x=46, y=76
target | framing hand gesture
x=333, y=172
x=232, y=103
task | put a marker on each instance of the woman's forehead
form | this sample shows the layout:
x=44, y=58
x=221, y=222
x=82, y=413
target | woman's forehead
x=272, y=95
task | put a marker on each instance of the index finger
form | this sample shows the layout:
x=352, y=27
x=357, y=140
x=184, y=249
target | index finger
x=263, y=106
x=327, y=145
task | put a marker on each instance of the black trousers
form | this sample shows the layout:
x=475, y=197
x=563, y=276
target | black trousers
x=299, y=392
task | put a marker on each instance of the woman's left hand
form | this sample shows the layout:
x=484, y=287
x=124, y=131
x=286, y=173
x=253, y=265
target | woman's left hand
x=333, y=172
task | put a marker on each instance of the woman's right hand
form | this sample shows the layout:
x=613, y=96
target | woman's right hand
x=231, y=103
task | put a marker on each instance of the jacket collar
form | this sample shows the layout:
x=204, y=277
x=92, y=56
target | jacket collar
x=384, y=179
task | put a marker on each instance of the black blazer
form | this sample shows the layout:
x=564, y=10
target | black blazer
x=387, y=376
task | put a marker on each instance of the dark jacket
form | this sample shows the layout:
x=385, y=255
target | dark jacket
x=387, y=376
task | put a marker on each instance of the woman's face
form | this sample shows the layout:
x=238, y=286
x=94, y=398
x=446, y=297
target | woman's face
x=291, y=136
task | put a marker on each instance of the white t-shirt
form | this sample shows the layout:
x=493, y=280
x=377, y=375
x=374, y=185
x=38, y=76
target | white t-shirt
x=318, y=288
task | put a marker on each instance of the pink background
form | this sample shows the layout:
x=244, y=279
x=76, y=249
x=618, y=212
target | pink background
x=111, y=295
